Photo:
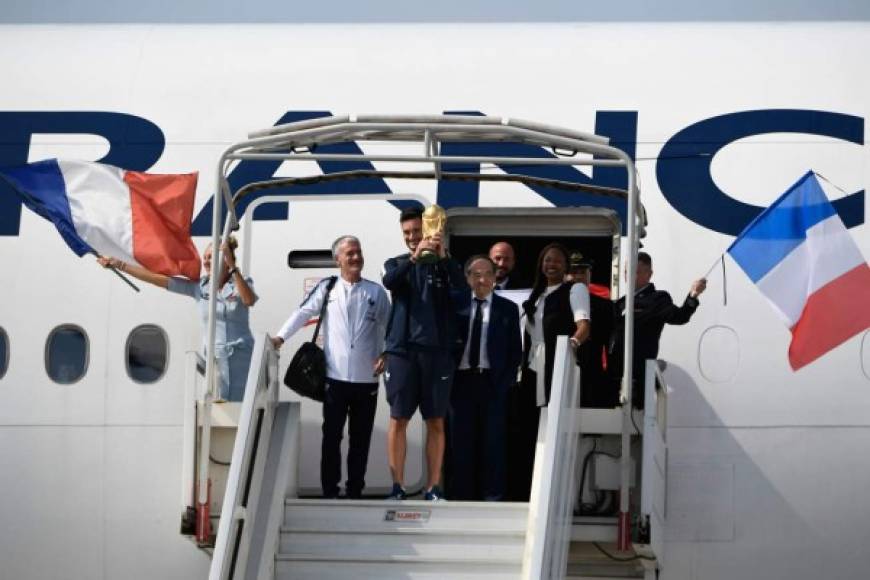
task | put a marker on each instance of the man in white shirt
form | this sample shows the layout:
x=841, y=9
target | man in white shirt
x=353, y=336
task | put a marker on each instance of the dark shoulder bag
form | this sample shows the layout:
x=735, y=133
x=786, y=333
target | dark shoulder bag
x=306, y=374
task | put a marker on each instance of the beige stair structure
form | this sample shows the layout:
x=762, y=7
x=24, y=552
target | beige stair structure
x=267, y=533
x=335, y=539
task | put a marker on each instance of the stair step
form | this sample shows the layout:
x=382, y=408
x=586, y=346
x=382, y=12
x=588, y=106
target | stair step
x=380, y=515
x=594, y=529
x=410, y=531
x=587, y=561
x=493, y=544
x=605, y=577
x=603, y=573
x=292, y=567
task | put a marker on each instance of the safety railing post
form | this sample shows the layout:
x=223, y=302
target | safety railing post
x=623, y=539
x=548, y=531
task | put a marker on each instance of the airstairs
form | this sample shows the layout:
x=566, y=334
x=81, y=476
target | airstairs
x=266, y=532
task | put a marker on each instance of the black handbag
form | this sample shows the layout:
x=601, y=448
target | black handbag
x=306, y=374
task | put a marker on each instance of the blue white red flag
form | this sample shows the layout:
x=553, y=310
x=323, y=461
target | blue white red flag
x=802, y=258
x=137, y=217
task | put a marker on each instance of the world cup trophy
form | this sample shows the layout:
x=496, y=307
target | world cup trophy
x=434, y=220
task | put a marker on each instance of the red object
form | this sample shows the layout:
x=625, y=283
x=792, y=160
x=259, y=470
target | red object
x=203, y=519
x=623, y=533
x=833, y=314
x=600, y=291
x=162, y=208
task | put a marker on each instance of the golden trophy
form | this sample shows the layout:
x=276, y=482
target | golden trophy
x=434, y=220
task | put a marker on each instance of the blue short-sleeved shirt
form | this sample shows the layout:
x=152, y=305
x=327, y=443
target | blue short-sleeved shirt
x=232, y=326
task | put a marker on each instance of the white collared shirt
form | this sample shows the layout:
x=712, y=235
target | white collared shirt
x=486, y=306
x=353, y=328
x=579, y=299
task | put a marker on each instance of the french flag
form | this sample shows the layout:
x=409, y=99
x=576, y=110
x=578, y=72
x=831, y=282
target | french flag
x=101, y=209
x=802, y=258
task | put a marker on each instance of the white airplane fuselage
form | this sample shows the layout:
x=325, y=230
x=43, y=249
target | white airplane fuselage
x=768, y=469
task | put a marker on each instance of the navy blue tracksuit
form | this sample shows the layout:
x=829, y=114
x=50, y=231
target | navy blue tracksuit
x=421, y=335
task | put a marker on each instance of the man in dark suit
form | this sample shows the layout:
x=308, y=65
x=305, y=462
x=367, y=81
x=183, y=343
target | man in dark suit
x=490, y=356
x=652, y=310
x=502, y=255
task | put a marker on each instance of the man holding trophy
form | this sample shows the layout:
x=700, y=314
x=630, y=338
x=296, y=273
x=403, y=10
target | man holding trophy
x=420, y=343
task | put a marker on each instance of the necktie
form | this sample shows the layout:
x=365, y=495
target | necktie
x=476, y=331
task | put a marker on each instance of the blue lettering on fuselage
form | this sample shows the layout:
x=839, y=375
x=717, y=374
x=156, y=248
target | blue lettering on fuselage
x=252, y=171
x=134, y=143
x=682, y=169
x=619, y=126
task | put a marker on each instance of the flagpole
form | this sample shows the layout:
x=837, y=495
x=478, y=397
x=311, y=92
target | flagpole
x=124, y=278
x=120, y=275
x=713, y=266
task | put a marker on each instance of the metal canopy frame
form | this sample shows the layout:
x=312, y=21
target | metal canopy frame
x=299, y=141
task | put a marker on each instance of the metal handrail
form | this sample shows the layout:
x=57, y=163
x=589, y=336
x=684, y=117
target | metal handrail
x=428, y=131
x=438, y=129
x=194, y=375
x=236, y=526
x=426, y=119
x=248, y=232
x=654, y=467
x=548, y=533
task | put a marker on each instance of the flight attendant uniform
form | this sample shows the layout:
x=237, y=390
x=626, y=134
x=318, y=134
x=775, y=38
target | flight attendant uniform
x=234, y=342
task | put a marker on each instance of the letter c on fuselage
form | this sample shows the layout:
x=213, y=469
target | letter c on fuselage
x=683, y=167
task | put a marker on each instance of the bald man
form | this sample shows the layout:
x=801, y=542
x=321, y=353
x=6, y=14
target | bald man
x=502, y=255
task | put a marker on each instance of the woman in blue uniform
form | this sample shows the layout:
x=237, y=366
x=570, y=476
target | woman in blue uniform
x=233, y=339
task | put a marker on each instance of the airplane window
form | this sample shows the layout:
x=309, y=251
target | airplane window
x=66, y=354
x=147, y=353
x=4, y=352
x=719, y=354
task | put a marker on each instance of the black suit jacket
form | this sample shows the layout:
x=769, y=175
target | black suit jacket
x=598, y=385
x=512, y=284
x=652, y=310
x=503, y=340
